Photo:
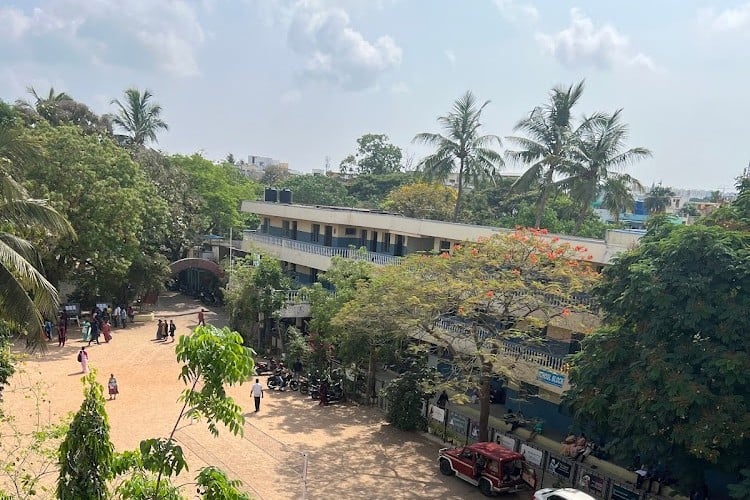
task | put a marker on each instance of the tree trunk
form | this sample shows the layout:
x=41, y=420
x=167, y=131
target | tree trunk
x=457, y=209
x=370, y=387
x=581, y=216
x=484, y=407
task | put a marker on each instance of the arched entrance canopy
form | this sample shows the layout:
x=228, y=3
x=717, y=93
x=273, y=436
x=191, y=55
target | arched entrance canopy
x=205, y=264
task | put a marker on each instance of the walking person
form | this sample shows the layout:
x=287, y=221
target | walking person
x=62, y=332
x=160, y=330
x=94, y=332
x=107, y=331
x=172, y=329
x=112, y=386
x=257, y=392
x=202, y=317
x=83, y=358
x=48, y=329
x=116, y=317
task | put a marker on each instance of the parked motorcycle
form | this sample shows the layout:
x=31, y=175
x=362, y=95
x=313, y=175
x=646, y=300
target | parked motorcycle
x=280, y=381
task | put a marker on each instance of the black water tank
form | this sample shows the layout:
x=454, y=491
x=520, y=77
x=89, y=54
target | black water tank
x=271, y=194
x=285, y=196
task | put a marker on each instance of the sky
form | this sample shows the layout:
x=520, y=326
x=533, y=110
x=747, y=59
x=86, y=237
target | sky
x=301, y=80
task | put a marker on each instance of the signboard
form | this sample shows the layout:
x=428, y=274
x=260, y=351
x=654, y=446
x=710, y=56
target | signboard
x=532, y=455
x=550, y=378
x=505, y=440
x=588, y=481
x=437, y=413
x=458, y=423
x=622, y=493
x=560, y=467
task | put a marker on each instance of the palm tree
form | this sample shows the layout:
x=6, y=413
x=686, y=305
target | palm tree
x=597, y=157
x=658, y=199
x=139, y=119
x=461, y=147
x=550, y=138
x=26, y=296
x=45, y=106
x=618, y=196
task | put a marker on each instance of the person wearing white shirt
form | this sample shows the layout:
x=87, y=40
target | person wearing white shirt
x=257, y=392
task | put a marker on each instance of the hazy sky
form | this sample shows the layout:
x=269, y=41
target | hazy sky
x=301, y=80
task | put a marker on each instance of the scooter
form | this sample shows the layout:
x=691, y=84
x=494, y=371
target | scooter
x=279, y=381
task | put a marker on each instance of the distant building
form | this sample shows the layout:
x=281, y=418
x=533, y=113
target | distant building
x=256, y=166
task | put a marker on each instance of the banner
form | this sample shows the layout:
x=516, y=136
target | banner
x=532, y=455
x=505, y=440
x=437, y=413
x=560, y=467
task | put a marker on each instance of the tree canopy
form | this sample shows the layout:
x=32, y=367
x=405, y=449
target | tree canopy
x=670, y=371
x=375, y=155
x=422, y=200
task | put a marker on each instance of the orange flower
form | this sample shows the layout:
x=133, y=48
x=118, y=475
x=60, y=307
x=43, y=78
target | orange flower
x=589, y=257
x=517, y=272
x=555, y=239
x=474, y=251
x=566, y=312
x=445, y=255
x=460, y=311
x=533, y=258
x=457, y=247
x=490, y=294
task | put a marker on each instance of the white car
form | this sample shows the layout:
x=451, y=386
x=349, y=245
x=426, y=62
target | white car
x=562, y=494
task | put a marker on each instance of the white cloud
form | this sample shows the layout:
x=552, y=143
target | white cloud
x=729, y=20
x=450, y=55
x=583, y=44
x=336, y=53
x=134, y=34
x=291, y=96
x=515, y=11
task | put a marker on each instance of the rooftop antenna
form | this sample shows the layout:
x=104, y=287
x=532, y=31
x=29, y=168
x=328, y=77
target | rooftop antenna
x=328, y=163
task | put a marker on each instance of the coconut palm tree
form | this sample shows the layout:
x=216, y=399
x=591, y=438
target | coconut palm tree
x=597, y=157
x=462, y=147
x=618, y=196
x=44, y=106
x=26, y=296
x=658, y=199
x=549, y=141
x=138, y=118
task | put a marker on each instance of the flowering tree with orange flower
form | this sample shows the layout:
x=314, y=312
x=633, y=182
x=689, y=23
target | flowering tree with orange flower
x=472, y=299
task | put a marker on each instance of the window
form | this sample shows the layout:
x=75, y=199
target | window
x=294, y=230
x=266, y=225
x=374, y=242
x=313, y=275
x=363, y=238
x=445, y=246
x=285, y=228
x=386, y=242
x=315, y=233
x=350, y=231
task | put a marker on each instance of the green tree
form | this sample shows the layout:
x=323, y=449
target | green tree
x=27, y=295
x=108, y=201
x=669, y=372
x=316, y=189
x=187, y=220
x=86, y=454
x=658, y=199
x=254, y=292
x=326, y=336
x=61, y=109
x=139, y=119
x=618, y=197
x=222, y=188
x=507, y=286
x=369, y=191
x=598, y=157
x=422, y=200
x=408, y=392
x=461, y=147
x=274, y=175
x=551, y=138
x=375, y=156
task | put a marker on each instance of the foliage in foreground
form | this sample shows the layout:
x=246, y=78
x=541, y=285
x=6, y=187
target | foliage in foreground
x=670, y=371
x=408, y=392
x=211, y=357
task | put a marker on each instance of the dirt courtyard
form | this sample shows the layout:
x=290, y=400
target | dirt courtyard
x=351, y=451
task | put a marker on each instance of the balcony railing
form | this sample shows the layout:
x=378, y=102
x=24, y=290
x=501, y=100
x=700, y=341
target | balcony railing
x=312, y=248
x=526, y=353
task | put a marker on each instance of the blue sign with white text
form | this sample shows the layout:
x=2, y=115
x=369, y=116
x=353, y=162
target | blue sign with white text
x=550, y=378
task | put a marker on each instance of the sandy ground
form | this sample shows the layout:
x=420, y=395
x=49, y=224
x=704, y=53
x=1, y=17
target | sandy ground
x=351, y=451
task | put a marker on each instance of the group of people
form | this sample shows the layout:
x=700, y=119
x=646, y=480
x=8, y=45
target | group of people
x=165, y=330
x=574, y=446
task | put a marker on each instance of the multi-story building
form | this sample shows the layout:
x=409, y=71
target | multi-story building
x=306, y=238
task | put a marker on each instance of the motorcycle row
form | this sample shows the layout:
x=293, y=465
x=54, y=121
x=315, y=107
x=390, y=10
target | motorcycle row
x=316, y=385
